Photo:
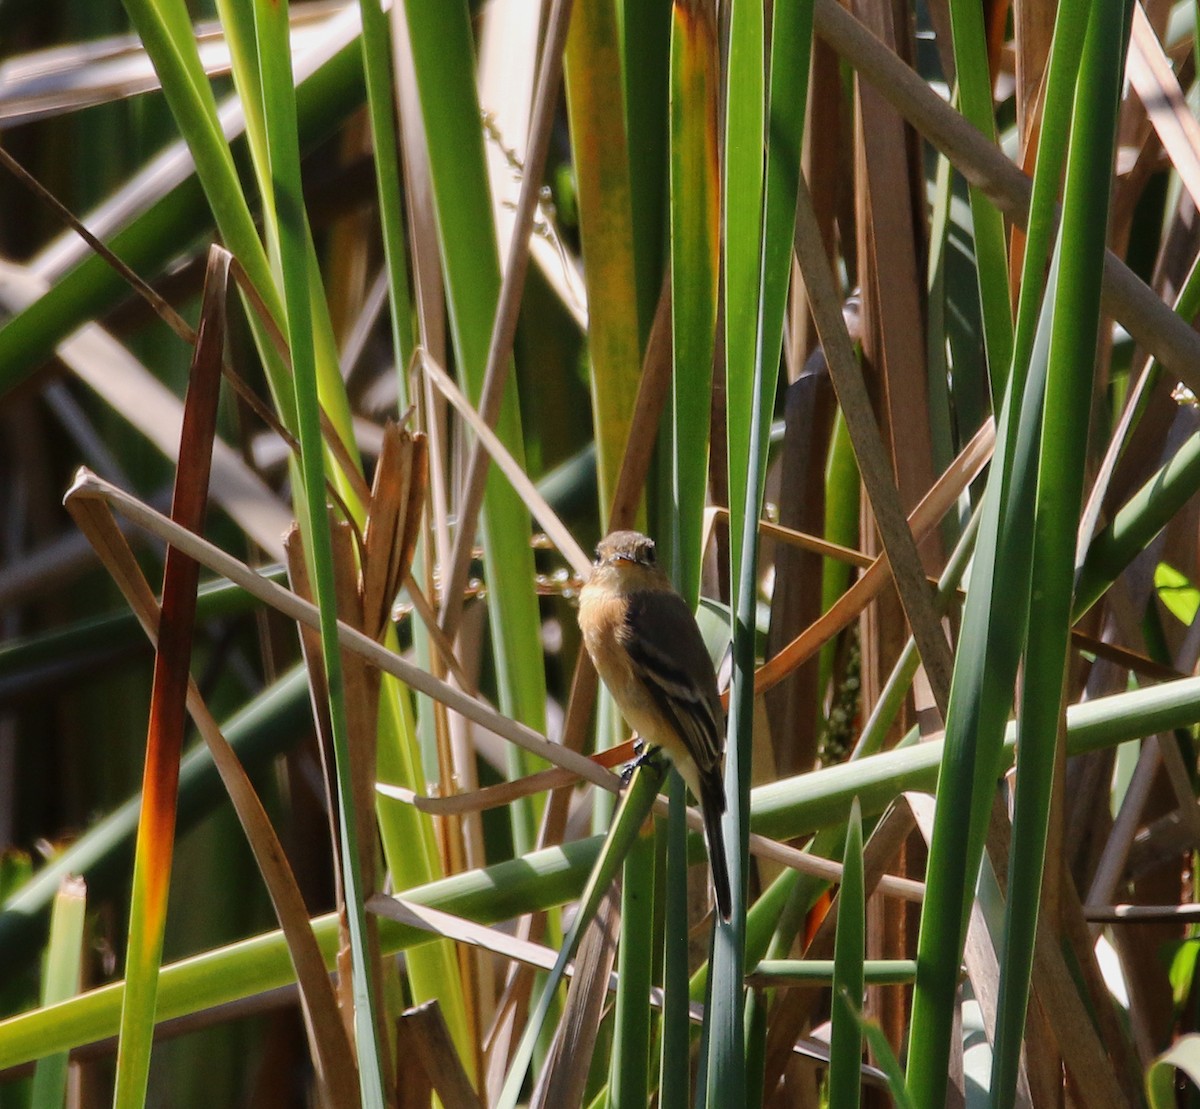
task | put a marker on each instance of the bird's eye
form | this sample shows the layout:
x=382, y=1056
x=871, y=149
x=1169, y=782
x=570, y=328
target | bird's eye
x=648, y=554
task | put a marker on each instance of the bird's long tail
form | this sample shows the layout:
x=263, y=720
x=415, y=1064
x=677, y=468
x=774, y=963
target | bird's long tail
x=712, y=805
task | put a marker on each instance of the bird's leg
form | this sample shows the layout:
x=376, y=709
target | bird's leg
x=648, y=756
x=639, y=750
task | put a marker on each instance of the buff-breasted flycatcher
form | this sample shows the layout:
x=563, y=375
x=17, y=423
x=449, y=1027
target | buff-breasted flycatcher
x=648, y=650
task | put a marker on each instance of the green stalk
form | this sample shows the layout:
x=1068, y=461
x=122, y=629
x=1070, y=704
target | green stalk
x=381, y=105
x=993, y=625
x=64, y=958
x=444, y=62
x=635, y=805
x=694, y=217
x=760, y=207
x=674, y=1076
x=629, y=1065
x=1137, y=522
x=723, y=1045
x=295, y=259
x=845, y=1039
x=974, y=95
x=409, y=846
x=1071, y=371
x=592, y=68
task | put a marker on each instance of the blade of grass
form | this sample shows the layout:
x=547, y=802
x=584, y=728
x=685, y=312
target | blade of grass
x=723, y=1044
x=164, y=734
x=645, y=41
x=442, y=50
x=1183, y=1055
x=490, y=388
x=674, y=1071
x=888, y=1063
x=760, y=206
x=991, y=252
x=695, y=219
x=629, y=1069
x=376, y=52
x=694, y=209
x=64, y=958
x=994, y=616
x=295, y=252
x=410, y=844
x=1072, y=355
x=742, y=227
x=631, y=814
x=845, y=1040
x=1136, y=523
x=593, y=82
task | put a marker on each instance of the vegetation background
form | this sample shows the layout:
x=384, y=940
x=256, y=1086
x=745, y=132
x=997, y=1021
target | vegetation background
x=915, y=426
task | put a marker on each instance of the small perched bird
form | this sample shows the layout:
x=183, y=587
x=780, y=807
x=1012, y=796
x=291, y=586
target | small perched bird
x=648, y=650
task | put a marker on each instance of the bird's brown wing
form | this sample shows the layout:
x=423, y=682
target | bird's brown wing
x=678, y=672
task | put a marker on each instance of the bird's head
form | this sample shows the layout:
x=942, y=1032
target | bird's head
x=626, y=546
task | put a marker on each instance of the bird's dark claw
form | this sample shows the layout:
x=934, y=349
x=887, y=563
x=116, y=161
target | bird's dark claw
x=645, y=756
x=650, y=756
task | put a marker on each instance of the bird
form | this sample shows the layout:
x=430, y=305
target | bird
x=648, y=651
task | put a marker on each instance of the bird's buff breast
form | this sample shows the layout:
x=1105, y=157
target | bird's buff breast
x=602, y=620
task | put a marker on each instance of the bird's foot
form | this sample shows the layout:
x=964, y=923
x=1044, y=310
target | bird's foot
x=646, y=756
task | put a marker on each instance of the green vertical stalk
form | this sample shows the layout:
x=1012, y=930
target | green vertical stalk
x=1071, y=371
x=629, y=1066
x=675, y=1059
x=295, y=261
x=381, y=104
x=993, y=627
x=64, y=957
x=694, y=203
x=444, y=62
x=695, y=214
x=593, y=79
x=409, y=845
x=845, y=1039
x=645, y=41
x=974, y=94
x=742, y=201
x=760, y=206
